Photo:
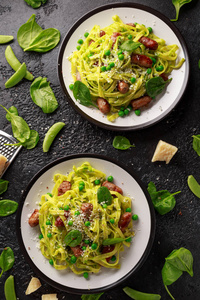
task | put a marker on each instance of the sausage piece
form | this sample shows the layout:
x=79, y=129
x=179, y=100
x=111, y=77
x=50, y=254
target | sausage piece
x=131, y=24
x=114, y=37
x=123, y=87
x=86, y=209
x=107, y=249
x=141, y=60
x=102, y=33
x=103, y=105
x=148, y=43
x=164, y=76
x=34, y=218
x=112, y=187
x=140, y=102
x=77, y=251
x=63, y=187
x=124, y=221
x=59, y=222
x=78, y=76
x=90, y=42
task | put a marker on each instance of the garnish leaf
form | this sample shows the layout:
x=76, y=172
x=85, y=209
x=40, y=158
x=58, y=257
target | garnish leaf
x=121, y=143
x=196, y=143
x=104, y=195
x=155, y=86
x=7, y=260
x=130, y=45
x=178, y=4
x=91, y=296
x=136, y=295
x=113, y=241
x=7, y=207
x=3, y=186
x=35, y=3
x=73, y=238
x=82, y=93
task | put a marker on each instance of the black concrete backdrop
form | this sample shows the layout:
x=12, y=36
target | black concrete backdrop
x=179, y=228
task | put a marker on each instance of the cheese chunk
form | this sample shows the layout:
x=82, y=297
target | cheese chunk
x=164, y=152
x=49, y=297
x=3, y=161
x=34, y=284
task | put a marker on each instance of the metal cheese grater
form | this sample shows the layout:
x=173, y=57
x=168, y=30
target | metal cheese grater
x=10, y=152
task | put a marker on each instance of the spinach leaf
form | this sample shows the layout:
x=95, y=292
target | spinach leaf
x=194, y=186
x=130, y=45
x=14, y=111
x=27, y=32
x=113, y=241
x=82, y=93
x=43, y=96
x=139, y=295
x=178, y=4
x=163, y=201
x=177, y=262
x=199, y=63
x=32, y=141
x=104, y=196
x=91, y=296
x=7, y=260
x=35, y=3
x=196, y=143
x=7, y=207
x=73, y=238
x=44, y=41
x=155, y=86
x=3, y=186
x=121, y=143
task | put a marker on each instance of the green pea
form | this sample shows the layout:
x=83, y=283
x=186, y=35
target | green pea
x=48, y=222
x=51, y=262
x=6, y=39
x=77, y=213
x=133, y=79
x=108, y=68
x=50, y=194
x=122, y=108
x=126, y=112
x=112, y=221
x=103, y=68
x=119, y=52
x=9, y=288
x=130, y=37
x=81, y=187
x=113, y=258
x=82, y=183
x=16, y=77
x=41, y=236
x=112, y=64
x=121, y=56
x=121, y=113
x=128, y=209
x=71, y=86
x=66, y=207
x=80, y=41
x=70, y=223
x=137, y=112
x=97, y=181
x=85, y=275
x=49, y=235
x=129, y=107
x=150, y=29
x=86, y=34
x=135, y=217
x=73, y=259
x=84, y=248
x=159, y=68
x=86, y=242
x=149, y=71
x=110, y=178
x=105, y=205
x=78, y=48
x=61, y=208
x=107, y=52
x=94, y=246
x=153, y=60
x=51, y=134
x=87, y=223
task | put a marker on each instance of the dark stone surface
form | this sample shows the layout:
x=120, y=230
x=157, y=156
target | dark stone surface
x=173, y=230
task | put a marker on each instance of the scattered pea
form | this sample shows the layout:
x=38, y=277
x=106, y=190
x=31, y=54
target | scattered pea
x=135, y=217
x=81, y=187
x=85, y=275
x=105, y=205
x=130, y=37
x=49, y=235
x=121, y=113
x=122, y=108
x=77, y=213
x=159, y=68
x=150, y=29
x=119, y=52
x=48, y=222
x=87, y=223
x=108, y=68
x=66, y=207
x=83, y=248
x=86, y=242
x=78, y=48
x=137, y=112
x=82, y=183
x=112, y=64
x=103, y=68
x=149, y=71
x=51, y=262
x=97, y=181
x=112, y=221
x=110, y=178
x=153, y=60
x=128, y=209
x=71, y=86
x=94, y=246
x=70, y=223
x=121, y=56
x=86, y=34
x=73, y=259
x=113, y=258
x=50, y=194
x=80, y=41
x=126, y=112
x=133, y=79
x=107, y=52
x=129, y=107
x=41, y=236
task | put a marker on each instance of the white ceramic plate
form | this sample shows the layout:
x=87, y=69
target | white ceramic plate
x=129, y=13
x=131, y=259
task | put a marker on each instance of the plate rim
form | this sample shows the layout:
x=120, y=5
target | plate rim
x=106, y=7
x=25, y=252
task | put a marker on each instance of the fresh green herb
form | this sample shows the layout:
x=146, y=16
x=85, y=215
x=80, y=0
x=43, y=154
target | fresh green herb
x=155, y=86
x=136, y=295
x=6, y=39
x=12, y=110
x=130, y=45
x=27, y=32
x=196, y=143
x=51, y=134
x=35, y=3
x=178, y=4
x=32, y=141
x=193, y=185
x=121, y=143
x=177, y=262
x=104, y=195
x=163, y=201
x=113, y=241
x=7, y=260
x=43, y=96
x=7, y=207
x=16, y=77
x=45, y=41
x=3, y=186
x=91, y=296
x=73, y=238
x=199, y=64
x=9, y=288
x=82, y=93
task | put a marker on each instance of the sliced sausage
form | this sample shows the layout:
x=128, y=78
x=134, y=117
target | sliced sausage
x=64, y=187
x=90, y=42
x=123, y=87
x=77, y=251
x=164, y=76
x=103, y=105
x=131, y=24
x=78, y=76
x=34, y=218
x=107, y=249
x=102, y=33
x=124, y=221
x=112, y=187
x=141, y=60
x=59, y=222
x=140, y=102
x=114, y=37
x=86, y=209
x=67, y=214
x=148, y=43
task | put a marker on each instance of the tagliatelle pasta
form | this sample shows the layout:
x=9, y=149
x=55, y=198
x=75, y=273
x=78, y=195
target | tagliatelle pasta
x=61, y=215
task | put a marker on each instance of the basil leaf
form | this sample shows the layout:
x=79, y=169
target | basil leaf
x=155, y=86
x=43, y=96
x=196, y=143
x=82, y=93
x=163, y=201
x=7, y=259
x=104, y=195
x=44, y=41
x=35, y=3
x=193, y=185
x=32, y=141
x=121, y=143
x=27, y=32
x=7, y=207
x=73, y=238
x=130, y=45
x=91, y=296
x=178, y=4
x=113, y=241
x=14, y=111
x=3, y=186
x=136, y=295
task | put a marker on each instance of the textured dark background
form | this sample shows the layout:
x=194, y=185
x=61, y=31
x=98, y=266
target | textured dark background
x=179, y=228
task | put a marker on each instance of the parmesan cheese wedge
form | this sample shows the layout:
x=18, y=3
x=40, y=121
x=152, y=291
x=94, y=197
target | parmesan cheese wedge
x=49, y=297
x=34, y=284
x=3, y=161
x=164, y=152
